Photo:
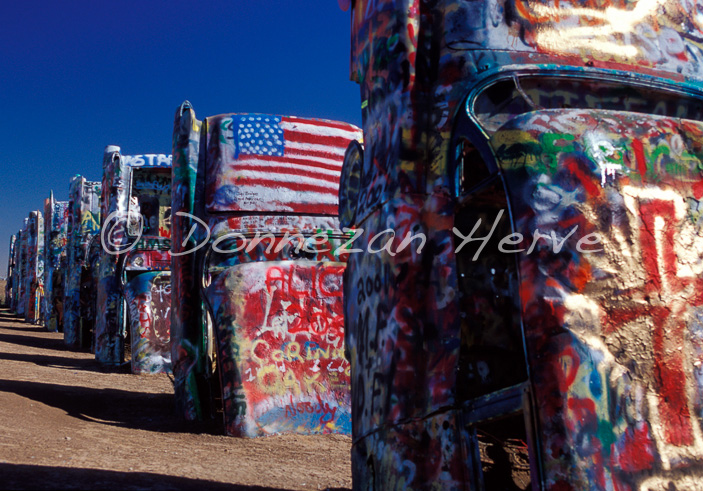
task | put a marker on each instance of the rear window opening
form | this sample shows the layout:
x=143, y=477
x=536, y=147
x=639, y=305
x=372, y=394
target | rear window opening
x=151, y=200
x=502, y=101
x=491, y=356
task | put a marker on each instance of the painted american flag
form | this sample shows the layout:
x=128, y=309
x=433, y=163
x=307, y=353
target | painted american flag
x=277, y=163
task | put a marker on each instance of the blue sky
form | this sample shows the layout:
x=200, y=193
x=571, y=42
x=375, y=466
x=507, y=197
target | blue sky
x=78, y=75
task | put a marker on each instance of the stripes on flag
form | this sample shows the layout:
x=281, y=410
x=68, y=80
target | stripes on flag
x=278, y=163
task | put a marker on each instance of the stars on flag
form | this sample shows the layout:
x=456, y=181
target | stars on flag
x=260, y=135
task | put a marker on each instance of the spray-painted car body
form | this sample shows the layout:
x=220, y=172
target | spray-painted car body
x=83, y=225
x=55, y=239
x=134, y=281
x=10, y=288
x=274, y=309
x=89, y=290
x=468, y=362
x=34, y=268
x=20, y=302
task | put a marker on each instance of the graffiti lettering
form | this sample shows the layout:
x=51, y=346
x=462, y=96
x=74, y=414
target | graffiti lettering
x=152, y=160
x=153, y=185
x=323, y=408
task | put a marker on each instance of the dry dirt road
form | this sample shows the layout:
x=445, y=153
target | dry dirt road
x=67, y=424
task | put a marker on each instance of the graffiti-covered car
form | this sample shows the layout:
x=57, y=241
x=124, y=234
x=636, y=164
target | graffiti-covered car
x=20, y=269
x=257, y=321
x=55, y=261
x=10, y=288
x=89, y=289
x=83, y=225
x=34, y=268
x=543, y=330
x=134, y=283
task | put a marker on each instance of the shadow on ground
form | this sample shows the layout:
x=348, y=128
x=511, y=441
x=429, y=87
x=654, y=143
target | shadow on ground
x=53, y=343
x=53, y=361
x=14, y=476
x=123, y=408
x=127, y=409
x=6, y=314
x=47, y=343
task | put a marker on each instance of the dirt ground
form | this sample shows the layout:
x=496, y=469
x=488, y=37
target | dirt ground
x=67, y=424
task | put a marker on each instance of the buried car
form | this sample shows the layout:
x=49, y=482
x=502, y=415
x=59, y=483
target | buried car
x=55, y=235
x=83, y=225
x=548, y=334
x=257, y=326
x=134, y=283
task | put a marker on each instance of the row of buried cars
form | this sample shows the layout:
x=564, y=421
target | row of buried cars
x=219, y=263
x=549, y=334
